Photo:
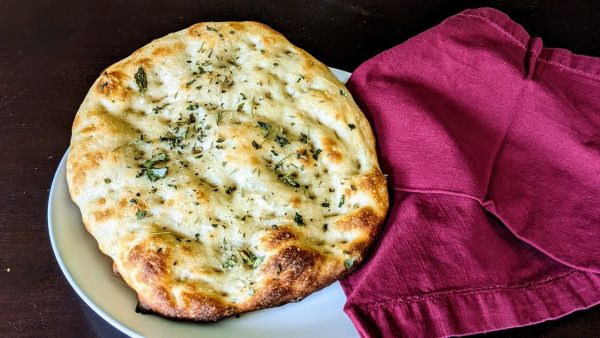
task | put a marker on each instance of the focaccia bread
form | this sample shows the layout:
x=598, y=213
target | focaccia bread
x=225, y=170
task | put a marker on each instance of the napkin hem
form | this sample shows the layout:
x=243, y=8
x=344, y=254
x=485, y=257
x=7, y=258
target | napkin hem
x=583, y=65
x=466, y=291
x=487, y=309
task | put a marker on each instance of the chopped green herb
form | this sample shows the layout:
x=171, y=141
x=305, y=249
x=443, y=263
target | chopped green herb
x=298, y=219
x=158, y=109
x=274, y=226
x=303, y=138
x=264, y=126
x=281, y=140
x=352, y=186
x=240, y=106
x=349, y=262
x=155, y=174
x=230, y=262
x=140, y=80
x=255, y=145
x=325, y=227
x=342, y=92
x=197, y=237
x=315, y=156
x=250, y=260
x=190, y=82
x=351, y=126
x=193, y=106
x=175, y=139
x=212, y=29
x=342, y=200
x=140, y=214
x=220, y=139
x=107, y=180
x=325, y=204
x=287, y=179
x=300, y=78
x=214, y=225
x=155, y=159
x=229, y=190
x=152, y=173
x=141, y=141
x=133, y=201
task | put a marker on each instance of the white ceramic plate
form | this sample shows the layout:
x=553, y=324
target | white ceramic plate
x=90, y=273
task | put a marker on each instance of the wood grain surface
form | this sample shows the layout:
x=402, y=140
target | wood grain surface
x=52, y=51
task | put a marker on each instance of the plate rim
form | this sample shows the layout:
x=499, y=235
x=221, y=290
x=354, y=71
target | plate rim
x=342, y=75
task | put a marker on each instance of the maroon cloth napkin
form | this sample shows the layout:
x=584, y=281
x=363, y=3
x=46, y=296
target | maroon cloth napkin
x=492, y=147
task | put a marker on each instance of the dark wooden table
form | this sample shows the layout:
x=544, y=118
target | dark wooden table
x=52, y=51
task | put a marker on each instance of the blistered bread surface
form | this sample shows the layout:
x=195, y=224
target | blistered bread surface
x=225, y=170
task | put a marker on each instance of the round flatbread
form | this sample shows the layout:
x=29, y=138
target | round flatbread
x=225, y=170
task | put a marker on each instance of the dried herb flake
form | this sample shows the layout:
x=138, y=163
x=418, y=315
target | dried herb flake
x=141, y=80
x=315, y=156
x=303, y=138
x=298, y=219
x=281, y=140
x=349, y=262
x=230, y=262
x=342, y=200
x=249, y=259
x=140, y=214
x=264, y=125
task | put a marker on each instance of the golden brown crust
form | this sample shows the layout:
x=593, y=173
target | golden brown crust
x=225, y=170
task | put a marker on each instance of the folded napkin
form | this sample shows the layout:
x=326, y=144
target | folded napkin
x=492, y=147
